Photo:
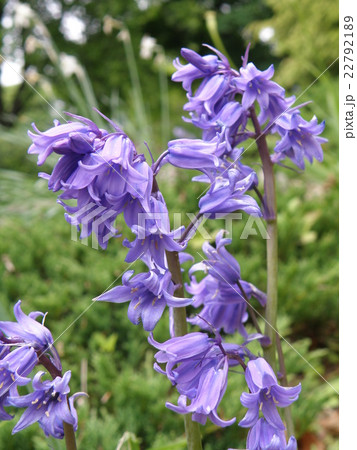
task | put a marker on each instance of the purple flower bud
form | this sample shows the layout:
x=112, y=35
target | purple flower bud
x=201, y=66
x=198, y=67
x=195, y=153
x=265, y=395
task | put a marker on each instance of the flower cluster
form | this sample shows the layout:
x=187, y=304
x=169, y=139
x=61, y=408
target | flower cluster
x=24, y=345
x=198, y=366
x=102, y=171
x=149, y=292
x=224, y=301
x=48, y=405
x=223, y=105
x=265, y=395
x=214, y=108
x=106, y=176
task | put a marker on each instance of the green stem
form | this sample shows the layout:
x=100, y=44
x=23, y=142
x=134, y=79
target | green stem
x=193, y=434
x=138, y=96
x=212, y=28
x=270, y=214
x=69, y=436
x=272, y=292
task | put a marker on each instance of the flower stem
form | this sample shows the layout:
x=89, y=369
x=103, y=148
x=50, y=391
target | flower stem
x=272, y=292
x=270, y=215
x=193, y=434
x=193, y=224
x=212, y=28
x=69, y=436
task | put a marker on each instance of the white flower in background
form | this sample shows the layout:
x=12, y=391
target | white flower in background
x=32, y=44
x=147, y=47
x=23, y=15
x=73, y=28
x=266, y=33
x=70, y=65
x=123, y=36
x=109, y=24
x=32, y=75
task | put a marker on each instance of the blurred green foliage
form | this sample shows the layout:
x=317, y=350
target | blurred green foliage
x=43, y=263
x=305, y=37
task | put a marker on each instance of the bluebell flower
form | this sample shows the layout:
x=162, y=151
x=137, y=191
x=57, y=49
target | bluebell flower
x=47, y=405
x=242, y=171
x=14, y=367
x=300, y=139
x=263, y=436
x=227, y=194
x=31, y=333
x=219, y=263
x=224, y=305
x=198, y=366
x=277, y=106
x=72, y=138
x=153, y=234
x=225, y=124
x=255, y=85
x=265, y=395
x=195, y=153
x=100, y=170
x=210, y=95
x=148, y=293
x=198, y=67
x=225, y=313
x=212, y=105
